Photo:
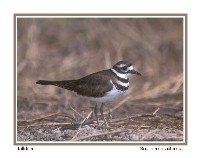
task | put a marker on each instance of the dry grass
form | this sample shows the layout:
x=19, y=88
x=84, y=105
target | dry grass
x=61, y=49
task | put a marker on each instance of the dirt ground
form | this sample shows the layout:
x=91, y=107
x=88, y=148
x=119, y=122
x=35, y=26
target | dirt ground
x=153, y=109
x=137, y=122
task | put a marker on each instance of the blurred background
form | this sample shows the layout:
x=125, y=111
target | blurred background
x=71, y=48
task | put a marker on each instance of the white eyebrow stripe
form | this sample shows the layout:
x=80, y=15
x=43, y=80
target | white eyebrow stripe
x=131, y=68
x=121, y=65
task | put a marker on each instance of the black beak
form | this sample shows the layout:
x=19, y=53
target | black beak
x=135, y=72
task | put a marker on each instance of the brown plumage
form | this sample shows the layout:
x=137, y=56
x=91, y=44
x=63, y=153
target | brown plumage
x=93, y=85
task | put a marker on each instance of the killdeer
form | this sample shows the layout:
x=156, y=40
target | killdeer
x=101, y=87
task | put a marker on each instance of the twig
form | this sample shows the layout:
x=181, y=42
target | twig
x=143, y=126
x=46, y=124
x=76, y=112
x=118, y=105
x=130, y=117
x=100, y=134
x=82, y=124
x=154, y=113
x=102, y=127
x=36, y=119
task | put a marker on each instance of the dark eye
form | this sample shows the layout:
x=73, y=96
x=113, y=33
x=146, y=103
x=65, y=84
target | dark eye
x=124, y=68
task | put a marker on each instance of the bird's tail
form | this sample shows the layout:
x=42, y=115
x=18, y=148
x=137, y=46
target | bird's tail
x=44, y=82
x=67, y=84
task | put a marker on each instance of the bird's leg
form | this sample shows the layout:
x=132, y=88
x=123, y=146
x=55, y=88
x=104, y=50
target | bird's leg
x=96, y=114
x=104, y=119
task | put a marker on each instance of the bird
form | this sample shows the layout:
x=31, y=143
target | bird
x=100, y=87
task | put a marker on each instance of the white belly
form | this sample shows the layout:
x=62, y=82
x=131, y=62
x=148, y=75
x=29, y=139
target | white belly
x=110, y=96
x=113, y=94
